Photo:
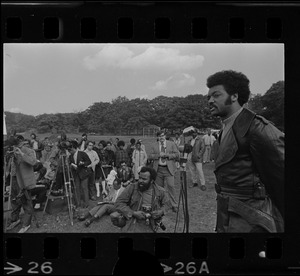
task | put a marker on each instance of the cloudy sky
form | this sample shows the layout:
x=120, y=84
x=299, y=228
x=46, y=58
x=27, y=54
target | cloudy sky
x=58, y=78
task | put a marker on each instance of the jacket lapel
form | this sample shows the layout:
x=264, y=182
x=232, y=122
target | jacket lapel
x=226, y=150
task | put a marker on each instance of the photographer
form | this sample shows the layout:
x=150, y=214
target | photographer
x=55, y=158
x=23, y=181
x=142, y=203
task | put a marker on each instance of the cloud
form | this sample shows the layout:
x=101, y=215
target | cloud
x=176, y=81
x=152, y=58
x=15, y=110
x=110, y=55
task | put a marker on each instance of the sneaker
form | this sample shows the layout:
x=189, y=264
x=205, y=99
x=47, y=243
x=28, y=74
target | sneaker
x=13, y=224
x=37, y=206
x=203, y=187
x=24, y=229
x=195, y=184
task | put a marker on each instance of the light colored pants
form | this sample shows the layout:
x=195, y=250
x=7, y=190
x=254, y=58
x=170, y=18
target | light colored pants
x=166, y=180
x=196, y=171
x=206, y=155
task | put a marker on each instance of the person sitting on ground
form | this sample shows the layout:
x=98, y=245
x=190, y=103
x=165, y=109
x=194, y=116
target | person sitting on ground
x=125, y=173
x=142, y=203
x=50, y=175
x=106, y=207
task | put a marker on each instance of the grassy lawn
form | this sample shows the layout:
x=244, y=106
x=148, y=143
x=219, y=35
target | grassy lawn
x=201, y=205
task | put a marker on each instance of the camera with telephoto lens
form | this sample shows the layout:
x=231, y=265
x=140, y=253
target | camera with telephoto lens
x=147, y=209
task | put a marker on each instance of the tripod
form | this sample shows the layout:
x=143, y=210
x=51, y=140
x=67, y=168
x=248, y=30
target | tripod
x=68, y=181
x=183, y=200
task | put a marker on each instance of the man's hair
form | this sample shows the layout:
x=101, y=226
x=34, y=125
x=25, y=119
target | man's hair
x=151, y=171
x=233, y=82
x=103, y=143
x=138, y=143
x=109, y=142
x=160, y=132
x=83, y=134
x=33, y=134
x=74, y=144
x=20, y=138
x=90, y=142
x=121, y=143
x=63, y=136
x=132, y=141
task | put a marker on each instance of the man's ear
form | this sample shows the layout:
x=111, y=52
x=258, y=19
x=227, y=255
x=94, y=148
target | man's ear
x=234, y=97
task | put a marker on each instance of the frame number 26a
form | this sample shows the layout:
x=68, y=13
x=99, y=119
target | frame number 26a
x=191, y=268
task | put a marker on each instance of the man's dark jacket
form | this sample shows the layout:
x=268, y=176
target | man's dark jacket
x=250, y=176
x=82, y=171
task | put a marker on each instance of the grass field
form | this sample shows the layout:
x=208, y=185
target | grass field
x=201, y=205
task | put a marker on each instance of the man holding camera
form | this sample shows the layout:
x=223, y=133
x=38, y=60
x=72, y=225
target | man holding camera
x=142, y=204
x=23, y=181
x=249, y=160
x=165, y=153
x=196, y=160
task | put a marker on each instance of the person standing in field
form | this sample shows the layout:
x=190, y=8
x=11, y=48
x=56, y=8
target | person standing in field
x=139, y=159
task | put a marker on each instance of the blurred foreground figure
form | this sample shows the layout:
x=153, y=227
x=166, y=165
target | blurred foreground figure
x=249, y=160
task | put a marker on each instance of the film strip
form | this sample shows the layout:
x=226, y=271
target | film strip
x=166, y=22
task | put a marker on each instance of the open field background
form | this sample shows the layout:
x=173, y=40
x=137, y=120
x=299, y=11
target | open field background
x=201, y=204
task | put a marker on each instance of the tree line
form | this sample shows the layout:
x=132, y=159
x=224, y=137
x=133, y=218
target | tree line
x=122, y=116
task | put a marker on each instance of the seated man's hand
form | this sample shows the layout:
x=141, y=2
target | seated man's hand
x=157, y=214
x=139, y=214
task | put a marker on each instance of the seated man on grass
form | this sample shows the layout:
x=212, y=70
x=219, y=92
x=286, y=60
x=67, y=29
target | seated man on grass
x=105, y=207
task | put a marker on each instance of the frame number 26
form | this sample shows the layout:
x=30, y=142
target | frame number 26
x=45, y=268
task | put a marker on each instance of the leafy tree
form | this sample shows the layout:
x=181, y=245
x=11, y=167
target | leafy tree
x=273, y=104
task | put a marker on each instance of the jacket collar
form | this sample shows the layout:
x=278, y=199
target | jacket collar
x=228, y=148
x=243, y=121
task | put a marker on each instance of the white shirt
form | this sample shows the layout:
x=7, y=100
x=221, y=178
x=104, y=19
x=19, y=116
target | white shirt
x=93, y=157
x=208, y=139
x=75, y=156
x=160, y=161
x=228, y=123
x=82, y=146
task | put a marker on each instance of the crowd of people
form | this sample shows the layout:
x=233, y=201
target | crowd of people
x=137, y=187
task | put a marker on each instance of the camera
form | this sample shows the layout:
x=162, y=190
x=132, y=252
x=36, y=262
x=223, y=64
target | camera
x=147, y=209
x=159, y=224
x=64, y=145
